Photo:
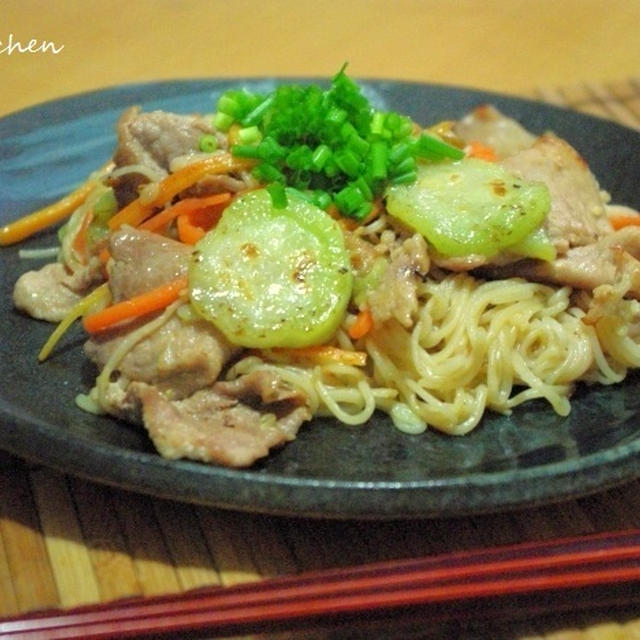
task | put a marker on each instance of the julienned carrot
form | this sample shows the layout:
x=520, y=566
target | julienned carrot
x=620, y=221
x=80, y=239
x=321, y=354
x=185, y=206
x=362, y=325
x=42, y=218
x=104, y=255
x=188, y=231
x=139, y=305
x=139, y=210
x=484, y=152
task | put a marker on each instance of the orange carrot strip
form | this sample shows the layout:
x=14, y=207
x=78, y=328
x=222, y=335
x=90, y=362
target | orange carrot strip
x=186, y=206
x=321, y=354
x=362, y=325
x=482, y=151
x=137, y=211
x=104, y=255
x=618, y=222
x=188, y=232
x=80, y=240
x=152, y=300
x=42, y=218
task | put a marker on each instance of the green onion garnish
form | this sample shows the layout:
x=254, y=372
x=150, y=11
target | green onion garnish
x=332, y=144
x=208, y=143
x=278, y=195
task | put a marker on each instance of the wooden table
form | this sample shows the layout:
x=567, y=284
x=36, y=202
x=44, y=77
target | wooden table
x=64, y=541
x=506, y=45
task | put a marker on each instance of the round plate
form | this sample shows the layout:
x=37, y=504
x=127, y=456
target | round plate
x=331, y=470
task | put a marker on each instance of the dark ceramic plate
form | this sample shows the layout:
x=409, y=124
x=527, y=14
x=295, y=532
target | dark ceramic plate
x=373, y=471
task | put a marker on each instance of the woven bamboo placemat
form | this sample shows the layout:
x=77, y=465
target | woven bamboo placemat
x=66, y=542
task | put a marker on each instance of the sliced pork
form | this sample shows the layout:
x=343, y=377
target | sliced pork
x=611, y=259
x=179, y=358
x=142, y=260
x=46, y=294
x=50, y=292
x=487, y=125
x=578, y=214
x=396, y=295
x=217, y=426
x=170, y=379
x=151, y=141
x=157, y=143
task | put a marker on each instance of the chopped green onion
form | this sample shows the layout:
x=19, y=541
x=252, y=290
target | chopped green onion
x=336, y=115
x=321, y=199
x=399, y=151
x=405, y=178
x=348, y=162
x=249, y=135
x=358, y=145
x=349, y=199
x=208, y=143
x=255, y=116
x=378, y=160
x=278, y=195
x=266, y=172
x=331, y=144
x=222, y=121
x=246, y=151
x=408, y=164
x=363, y=211
x=378, y=123
x=364, y=188
x=427, y=146
x=227, y=104
x=320, y=156
x=270, y=150
x=300, y=158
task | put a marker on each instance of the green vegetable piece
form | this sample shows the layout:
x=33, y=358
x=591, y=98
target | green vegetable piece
x=106, y=205
x=313, y=140
x=208, y=143
x=272, y=277
x=535, y=245
x=469, y=207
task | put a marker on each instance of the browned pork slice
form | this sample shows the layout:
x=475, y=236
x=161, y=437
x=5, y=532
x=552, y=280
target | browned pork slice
x=487, y=125
x=223, y=424
x=396, y=296
x=142, y=260
x=46, y=293
x=168, y=380
x=179, y=358
x=154, y=140
x=578, y=214
x=151, y=140
x=611, y=259
x=51, y=292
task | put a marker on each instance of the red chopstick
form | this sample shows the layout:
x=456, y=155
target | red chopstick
x=565, y=565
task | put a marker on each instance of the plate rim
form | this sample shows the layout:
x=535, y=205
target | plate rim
x=622, y=454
